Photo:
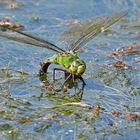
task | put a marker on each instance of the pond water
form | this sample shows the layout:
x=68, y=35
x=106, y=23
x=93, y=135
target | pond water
x=107, y=108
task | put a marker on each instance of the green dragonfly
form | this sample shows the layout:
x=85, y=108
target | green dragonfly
x=72, y=64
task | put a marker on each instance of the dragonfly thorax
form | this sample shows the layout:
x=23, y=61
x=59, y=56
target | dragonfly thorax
x=71, y=62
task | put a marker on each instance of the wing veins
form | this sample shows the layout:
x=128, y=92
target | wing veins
x=50, y=45
x=95, y=31
x=84, y=38
x=27, y=41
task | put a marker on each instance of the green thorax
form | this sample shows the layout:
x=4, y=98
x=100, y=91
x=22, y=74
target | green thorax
x=71, y=62
x=65, y=59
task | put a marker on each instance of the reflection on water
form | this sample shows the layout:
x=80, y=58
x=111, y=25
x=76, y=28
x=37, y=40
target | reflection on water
x=71, y=87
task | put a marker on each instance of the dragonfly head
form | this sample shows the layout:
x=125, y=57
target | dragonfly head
x=78, y=67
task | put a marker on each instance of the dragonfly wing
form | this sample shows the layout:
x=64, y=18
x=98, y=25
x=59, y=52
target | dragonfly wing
x=76, y=31
x=80, y=34
x=87, y=36
x=30, y=39
x=98, y=28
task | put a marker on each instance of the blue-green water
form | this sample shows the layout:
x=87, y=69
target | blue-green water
x=24, y=115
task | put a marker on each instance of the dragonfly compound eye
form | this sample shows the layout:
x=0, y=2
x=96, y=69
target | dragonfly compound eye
x=81, y=69
x=78, y=67
x=73, y=67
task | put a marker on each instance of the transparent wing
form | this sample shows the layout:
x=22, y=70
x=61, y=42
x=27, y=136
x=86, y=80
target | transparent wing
x=30, y=39
x=79, y=29
x=89, y=29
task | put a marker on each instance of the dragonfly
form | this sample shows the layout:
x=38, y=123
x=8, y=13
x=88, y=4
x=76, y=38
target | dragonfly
x=71, y=63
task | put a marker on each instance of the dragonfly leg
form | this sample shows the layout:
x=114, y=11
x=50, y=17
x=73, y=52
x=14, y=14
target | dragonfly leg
x=68, y=78
x=81, y=78
x=59, y=69
x=73, y=78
